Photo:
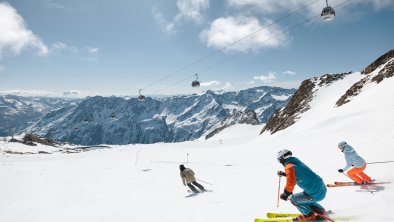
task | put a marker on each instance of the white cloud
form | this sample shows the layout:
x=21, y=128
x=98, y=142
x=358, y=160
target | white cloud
x=14, y=35
x=61, y=47
x=226, y=33
x=251, y=82
x=288, y=85
x=68, y=93
x=188, y=10
x=93, y=51
x=88, y=53
x=382, y=4
x=211, y=83
x=167, y=26
x=27, y=93
x=268, y=6
x=56, y=5
x=288, y=72
x=270, y=77
x=191, y=10
x=228, y=86
x=72, y=93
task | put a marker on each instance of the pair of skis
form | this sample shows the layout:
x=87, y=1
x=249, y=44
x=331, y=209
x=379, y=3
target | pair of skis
x=192, y=194
x=346, y=184
x=289, y=217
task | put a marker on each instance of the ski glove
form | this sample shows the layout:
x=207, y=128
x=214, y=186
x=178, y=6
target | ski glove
x=340, y=170
x=281, y=174
x=285, y=195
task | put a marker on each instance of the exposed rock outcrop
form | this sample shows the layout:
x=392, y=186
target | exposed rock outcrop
x=386, y=72
x=299, y=103
x=285, y=117
x=30, y=139
x=378, y=62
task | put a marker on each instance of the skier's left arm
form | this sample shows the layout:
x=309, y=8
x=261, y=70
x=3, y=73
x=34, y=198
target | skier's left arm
x=348, y=163
x=183, y=179
x=290, y=178
x=290, y=181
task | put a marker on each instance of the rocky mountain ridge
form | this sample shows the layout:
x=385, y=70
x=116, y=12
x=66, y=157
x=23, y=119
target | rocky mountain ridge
x=382, y=68
x=115, y=120
x=17, y=113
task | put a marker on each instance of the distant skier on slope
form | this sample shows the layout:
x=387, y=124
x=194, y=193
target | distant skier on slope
x=353, y=159
x=314, y=189
x=188, y=179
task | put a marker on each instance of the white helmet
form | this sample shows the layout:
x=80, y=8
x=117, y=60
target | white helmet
x=283, y=155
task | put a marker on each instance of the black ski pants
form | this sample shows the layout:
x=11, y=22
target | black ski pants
x=190, y=185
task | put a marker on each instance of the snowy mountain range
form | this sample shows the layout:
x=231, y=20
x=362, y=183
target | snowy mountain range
x=17, y=113
x=115, y=120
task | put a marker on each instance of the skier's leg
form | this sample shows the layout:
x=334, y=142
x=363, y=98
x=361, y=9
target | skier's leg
x=317, y=208
x=302, y=201
x=308, y=204
x=198, y=185
x=192, y=188
x=364, y=176
x=353, y=174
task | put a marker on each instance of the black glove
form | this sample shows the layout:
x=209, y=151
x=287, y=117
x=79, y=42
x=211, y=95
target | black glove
x=340, y=170
x=281, y=174
x=285, y=195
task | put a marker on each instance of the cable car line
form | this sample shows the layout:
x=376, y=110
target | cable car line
x=243, y=51
x=229, y=45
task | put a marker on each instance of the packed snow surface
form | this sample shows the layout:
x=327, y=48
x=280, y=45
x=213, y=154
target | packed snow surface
x=142, y=183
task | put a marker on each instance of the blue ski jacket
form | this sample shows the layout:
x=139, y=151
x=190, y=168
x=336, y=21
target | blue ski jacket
x=352, y=158
x=299, y=173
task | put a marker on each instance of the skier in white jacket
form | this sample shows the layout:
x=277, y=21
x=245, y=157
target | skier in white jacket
x=353, y=159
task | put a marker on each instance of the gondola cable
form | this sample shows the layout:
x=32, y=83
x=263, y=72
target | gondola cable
x=241, y=52
x=227, y=46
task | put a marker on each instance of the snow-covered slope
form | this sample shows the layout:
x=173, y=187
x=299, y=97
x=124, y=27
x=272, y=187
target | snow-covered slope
x=355, y=83
x=141, y=182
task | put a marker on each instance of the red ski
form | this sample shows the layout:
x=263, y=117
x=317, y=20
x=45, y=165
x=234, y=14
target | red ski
x=344, y=184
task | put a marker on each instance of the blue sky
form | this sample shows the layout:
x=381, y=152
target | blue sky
x=79, y=47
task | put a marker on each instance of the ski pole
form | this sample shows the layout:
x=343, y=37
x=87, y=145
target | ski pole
x=277, y=204
x=352, y=179
x=307, y=208
x=390, y=161
x=205, y=182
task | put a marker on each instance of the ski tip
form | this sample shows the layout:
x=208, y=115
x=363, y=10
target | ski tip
x=191, y=195
x=283, y=219
x=281, y=215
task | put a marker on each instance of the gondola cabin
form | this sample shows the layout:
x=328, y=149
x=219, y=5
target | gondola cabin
x=327, y=14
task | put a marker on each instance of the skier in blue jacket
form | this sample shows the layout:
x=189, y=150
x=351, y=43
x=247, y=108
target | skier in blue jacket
x=314, y=189
x=353, y=159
